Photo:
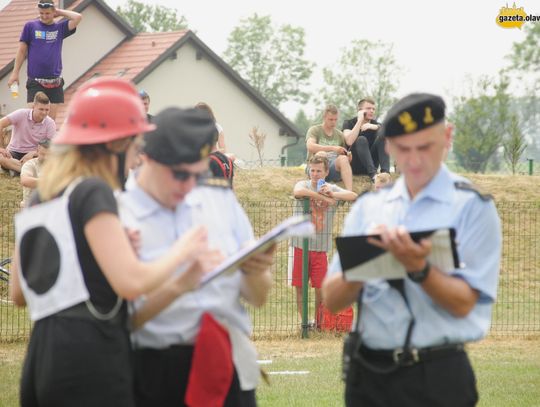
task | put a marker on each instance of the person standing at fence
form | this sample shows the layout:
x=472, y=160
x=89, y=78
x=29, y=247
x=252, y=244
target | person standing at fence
x=41, y=40
x=73, y=261
x=175, y=338
x=408, y=345
x=323, y=199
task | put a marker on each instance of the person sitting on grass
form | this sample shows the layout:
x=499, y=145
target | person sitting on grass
x=323, y=199
x=31, y=170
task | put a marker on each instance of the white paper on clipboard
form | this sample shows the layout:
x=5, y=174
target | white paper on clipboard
x=363, y=262
x=300, y=226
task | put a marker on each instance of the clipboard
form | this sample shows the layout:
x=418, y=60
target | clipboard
x=300, y=226
x=361, y=261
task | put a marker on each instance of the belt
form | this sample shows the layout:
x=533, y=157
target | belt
x=408, y=357
x=80, y=311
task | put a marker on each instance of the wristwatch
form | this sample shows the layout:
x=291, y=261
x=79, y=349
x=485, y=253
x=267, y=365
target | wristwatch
x=421, y=275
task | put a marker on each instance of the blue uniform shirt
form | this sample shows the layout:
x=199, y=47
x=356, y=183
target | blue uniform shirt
x=384, y=316
x=228, y=229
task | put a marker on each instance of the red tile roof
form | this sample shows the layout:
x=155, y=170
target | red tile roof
x=127, y=60
x=12, y=19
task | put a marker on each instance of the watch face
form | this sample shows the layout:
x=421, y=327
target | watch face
x=419, y=276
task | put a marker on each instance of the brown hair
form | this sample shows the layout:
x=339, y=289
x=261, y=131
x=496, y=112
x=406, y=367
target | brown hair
x=330, y=109
x=41, y=98
x=206, y=106
x=320, y=159
x=366, y=100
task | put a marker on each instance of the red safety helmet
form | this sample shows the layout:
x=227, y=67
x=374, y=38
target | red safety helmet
x=103, y=110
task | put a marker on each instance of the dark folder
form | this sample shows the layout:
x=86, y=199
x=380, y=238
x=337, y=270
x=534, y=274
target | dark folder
x=361, y=261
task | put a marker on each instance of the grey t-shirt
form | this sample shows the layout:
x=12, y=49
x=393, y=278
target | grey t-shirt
x=322, y=216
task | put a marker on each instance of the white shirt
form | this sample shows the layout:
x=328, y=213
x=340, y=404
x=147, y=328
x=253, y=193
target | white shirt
x=229, y=229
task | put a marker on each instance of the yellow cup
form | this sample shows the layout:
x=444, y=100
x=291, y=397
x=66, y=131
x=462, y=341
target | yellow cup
x=14, y=90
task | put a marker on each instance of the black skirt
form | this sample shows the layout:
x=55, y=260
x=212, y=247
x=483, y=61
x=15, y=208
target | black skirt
x=77, y=362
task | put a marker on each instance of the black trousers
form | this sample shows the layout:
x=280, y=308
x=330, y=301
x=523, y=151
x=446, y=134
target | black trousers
x=366, y=159
x=446, y=381
x=161, y=378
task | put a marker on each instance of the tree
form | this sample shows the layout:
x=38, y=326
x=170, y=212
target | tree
x=525, y=56
x=525, y=64
x=146, y=18
x=365, y=69
x=270, y=59
x=514, y=145
x=481, y=120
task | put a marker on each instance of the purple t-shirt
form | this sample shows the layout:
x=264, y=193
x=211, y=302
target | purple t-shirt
x=26, y=132
x=45, y=47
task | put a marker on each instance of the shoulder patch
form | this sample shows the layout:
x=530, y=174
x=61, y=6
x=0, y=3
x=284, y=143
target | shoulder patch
x=470, y=187
x=215, y=182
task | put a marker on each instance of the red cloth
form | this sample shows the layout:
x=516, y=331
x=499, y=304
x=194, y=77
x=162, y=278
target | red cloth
x=211, y=367
x=340, y=322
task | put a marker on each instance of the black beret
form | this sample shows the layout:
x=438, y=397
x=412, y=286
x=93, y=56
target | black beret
x=181, y=136
x=413, y=113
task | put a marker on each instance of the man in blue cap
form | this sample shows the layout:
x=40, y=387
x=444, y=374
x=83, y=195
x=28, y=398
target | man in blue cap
x=407, y=347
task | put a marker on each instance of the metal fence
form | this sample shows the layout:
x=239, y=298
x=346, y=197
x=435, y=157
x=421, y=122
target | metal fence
x=516, y=312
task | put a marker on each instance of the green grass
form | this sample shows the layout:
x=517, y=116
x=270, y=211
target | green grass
x=507, y=371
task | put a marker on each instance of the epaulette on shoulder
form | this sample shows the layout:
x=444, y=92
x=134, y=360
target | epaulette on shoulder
x=470, y=187
x=216, y=182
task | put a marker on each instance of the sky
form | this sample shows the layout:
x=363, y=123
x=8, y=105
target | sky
x=438, y=44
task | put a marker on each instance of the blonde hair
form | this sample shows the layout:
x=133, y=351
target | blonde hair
x=67, y=163
x=320, y=159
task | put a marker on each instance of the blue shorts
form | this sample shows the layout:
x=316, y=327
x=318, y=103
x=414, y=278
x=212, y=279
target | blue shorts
x=333, y=174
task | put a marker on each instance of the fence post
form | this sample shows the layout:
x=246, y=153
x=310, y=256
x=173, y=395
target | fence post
x=305, y=276
x=531, y=161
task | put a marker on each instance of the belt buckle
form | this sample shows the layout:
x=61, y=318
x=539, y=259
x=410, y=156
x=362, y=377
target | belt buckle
x=406, y=357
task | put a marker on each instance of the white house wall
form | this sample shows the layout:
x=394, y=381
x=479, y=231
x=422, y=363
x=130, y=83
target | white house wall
x=95, y=37
x=184, y=81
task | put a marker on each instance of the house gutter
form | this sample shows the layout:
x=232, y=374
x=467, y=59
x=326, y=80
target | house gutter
x=282, y=156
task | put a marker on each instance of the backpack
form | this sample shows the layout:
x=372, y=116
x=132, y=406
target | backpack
x=221, y=165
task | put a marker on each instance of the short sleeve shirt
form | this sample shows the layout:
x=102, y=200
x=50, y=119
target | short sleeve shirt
x=441, y=204
x=89, y=198
x=31, y=168
x=45, y=47
x=228, y=230
x=27, y=133
x=322, y=217
x=317, y=132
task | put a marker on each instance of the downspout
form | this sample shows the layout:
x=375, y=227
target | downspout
x=283, y=156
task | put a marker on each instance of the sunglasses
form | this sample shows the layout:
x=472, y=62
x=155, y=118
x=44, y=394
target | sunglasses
x=45, y=5
x=183, y=175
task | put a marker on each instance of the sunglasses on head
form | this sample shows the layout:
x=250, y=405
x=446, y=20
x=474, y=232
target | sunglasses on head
x=183, y=175
x=45, y=5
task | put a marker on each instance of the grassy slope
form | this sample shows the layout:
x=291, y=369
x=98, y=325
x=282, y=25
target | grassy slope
x=276, y=184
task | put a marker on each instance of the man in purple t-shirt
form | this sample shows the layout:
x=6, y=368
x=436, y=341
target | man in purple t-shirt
x=42, y=40
x=30, y=126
